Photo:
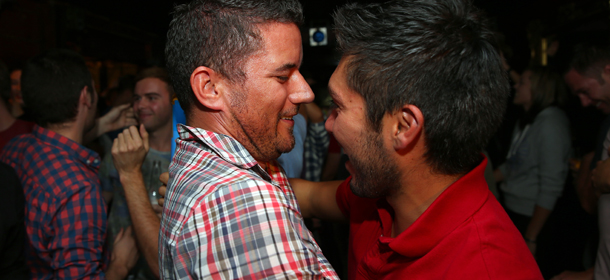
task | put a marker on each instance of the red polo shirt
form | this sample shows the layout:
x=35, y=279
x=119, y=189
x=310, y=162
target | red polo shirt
x=464, y=234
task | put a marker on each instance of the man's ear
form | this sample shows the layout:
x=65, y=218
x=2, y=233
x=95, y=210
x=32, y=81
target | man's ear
x=208, y=87
x=408, y=126
x=85, y=97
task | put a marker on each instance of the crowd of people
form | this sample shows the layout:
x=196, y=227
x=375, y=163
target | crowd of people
x=220, y=166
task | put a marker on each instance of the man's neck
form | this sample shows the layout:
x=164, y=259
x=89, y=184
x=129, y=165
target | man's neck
x=211, y=121
x=219, y=122
x=161, y=139
x=418, y=191
x=69, y=130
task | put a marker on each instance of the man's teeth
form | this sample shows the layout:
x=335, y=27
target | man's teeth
x=286, y=118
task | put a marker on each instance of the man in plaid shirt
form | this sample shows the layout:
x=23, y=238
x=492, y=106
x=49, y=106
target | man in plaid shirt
x=230, y=212
x=65, y=215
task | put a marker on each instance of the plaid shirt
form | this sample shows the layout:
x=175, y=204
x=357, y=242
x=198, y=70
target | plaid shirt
x=65, y=212
x=315, y=150
x=227, y=218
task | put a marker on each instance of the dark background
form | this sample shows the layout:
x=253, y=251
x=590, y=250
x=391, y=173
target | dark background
x=118, y=37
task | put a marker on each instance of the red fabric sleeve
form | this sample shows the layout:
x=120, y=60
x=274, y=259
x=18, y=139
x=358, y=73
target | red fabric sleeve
x=342, y=196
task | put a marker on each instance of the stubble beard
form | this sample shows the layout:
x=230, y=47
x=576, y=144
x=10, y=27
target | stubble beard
x=261, y=142
x=375, y=174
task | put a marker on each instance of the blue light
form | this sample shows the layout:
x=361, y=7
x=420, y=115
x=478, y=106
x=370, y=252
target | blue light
x=318, y=36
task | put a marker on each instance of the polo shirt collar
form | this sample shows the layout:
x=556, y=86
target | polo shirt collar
x=62, y=143
x=224, y=146
x=452, y=208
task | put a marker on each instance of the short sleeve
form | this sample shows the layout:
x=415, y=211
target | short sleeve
x=343, y=194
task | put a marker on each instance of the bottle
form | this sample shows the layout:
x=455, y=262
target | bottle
x=153, y=190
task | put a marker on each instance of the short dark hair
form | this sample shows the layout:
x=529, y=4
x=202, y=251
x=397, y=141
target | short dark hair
x=589, y=58
x=159, y=73
x=5, y=83
x=219, y=34
x=437, y=55
x=547, y=88
x=51, y=84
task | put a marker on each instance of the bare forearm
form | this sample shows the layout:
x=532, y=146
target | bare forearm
x=539, y=217
x=144, y=220
x=317, y=199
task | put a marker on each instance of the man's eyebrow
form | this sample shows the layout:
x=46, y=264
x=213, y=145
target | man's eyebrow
x=147, y=94
x=333, y=94
x=285, y=67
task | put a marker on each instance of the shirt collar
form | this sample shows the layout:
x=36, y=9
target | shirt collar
x=452, y=208
x=224, y=146
x=76, y=150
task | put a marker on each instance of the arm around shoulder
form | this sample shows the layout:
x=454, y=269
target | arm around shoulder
x=318, y=199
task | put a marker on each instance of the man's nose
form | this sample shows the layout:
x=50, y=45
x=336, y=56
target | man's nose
x=330, y=121
x=300, y=91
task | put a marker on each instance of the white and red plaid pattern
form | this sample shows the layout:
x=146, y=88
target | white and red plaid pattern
x=227, y=218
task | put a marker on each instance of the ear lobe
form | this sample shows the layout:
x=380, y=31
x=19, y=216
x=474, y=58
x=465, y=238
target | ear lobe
x=409, y=125
x=205, y=83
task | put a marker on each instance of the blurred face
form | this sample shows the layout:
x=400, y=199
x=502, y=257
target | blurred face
x=589, y=90
x=16, y=86
x=152, y=104
x=523, y=91
x=263, y=105
x=373, y=173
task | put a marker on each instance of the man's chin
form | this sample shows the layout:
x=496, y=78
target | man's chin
x=283, y=150
x=286, y=145
x=364, y=189
x=148, y=126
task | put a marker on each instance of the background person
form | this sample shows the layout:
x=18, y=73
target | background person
x=65, y=213
x=537, y=163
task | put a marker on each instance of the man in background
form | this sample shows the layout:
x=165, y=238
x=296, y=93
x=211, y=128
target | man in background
x=588, y=77
x=130, y=177
x=10, y=126
x=12, y=204
x=65, y=213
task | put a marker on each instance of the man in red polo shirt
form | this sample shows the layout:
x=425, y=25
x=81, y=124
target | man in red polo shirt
x=418, y=92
